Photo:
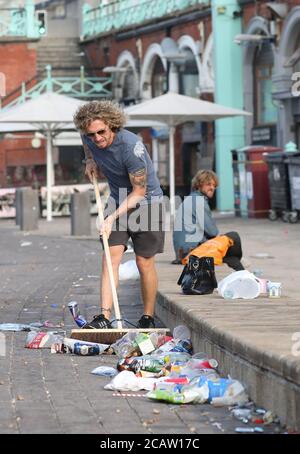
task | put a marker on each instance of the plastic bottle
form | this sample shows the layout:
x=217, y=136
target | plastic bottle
x=126, y=350
x=194, y=375
x=125, y=347
x=202, y=363
x=176, y=357
x=245, y=430
x=147, y=364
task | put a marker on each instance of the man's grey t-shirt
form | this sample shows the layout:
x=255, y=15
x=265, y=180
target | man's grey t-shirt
x=127, y=154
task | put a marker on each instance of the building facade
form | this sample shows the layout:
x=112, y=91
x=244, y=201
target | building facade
x=240, y=53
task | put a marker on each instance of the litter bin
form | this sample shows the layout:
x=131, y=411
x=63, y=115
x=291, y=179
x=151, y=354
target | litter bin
x=279, y=185
x=293, y=163
x=239, y=182
x=258, y=193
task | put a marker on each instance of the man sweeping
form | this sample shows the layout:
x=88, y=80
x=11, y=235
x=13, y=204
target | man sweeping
x=135, y=206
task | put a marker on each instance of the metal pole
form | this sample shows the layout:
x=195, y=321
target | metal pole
x=172, y=172
x=155, y=154
x=49, y=83
x=49, y=174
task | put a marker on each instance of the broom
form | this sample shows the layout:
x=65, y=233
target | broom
x=109, y=335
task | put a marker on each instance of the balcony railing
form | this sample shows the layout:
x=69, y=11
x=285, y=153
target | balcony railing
x=123, y=13
x=19, y=22
x=83, y=87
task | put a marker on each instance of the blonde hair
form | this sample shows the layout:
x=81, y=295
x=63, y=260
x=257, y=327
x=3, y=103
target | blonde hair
x=109, y=112
x=202, y=177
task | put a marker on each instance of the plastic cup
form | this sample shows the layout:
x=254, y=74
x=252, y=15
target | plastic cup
x=181, y=332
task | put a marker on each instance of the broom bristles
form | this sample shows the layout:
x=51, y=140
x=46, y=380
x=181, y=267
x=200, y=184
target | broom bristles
x=109, y=336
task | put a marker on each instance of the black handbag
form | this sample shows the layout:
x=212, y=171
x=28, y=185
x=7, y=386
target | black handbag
x=198, y=276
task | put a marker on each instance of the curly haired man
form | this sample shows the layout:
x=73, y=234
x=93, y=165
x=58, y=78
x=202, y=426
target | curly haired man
x=135, y=193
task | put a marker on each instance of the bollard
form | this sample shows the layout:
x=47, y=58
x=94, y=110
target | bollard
x=29, y=209
x=18, y=196
x=80, y=214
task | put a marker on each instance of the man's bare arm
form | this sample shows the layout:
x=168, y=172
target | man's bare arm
x=139, y=185
x=91, y=168
x=87, y=151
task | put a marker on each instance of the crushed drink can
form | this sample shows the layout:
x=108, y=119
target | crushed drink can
x=74, y=309
x=85, y=350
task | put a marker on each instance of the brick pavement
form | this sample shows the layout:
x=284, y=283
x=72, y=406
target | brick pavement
x=44, y=393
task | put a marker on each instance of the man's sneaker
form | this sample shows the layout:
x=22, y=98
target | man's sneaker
x=98, y=322
x=146, y=321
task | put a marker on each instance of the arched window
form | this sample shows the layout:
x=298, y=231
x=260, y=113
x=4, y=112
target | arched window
x=265, y=110
x=159, y=79
x=129, y=86
x=189, y=77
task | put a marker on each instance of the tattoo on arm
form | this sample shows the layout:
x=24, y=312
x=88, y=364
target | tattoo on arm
x=139, y=178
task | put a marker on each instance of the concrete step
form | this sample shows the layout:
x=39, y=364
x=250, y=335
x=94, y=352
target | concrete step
x=60, y=53
x=252, y=340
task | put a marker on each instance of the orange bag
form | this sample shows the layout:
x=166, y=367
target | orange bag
x=215, y=247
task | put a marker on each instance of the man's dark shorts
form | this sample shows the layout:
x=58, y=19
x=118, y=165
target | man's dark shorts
x=145, y=225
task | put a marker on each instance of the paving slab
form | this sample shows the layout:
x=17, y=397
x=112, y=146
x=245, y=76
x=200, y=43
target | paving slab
x=44, y=393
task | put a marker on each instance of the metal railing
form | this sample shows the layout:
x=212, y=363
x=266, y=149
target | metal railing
x=77, y=87
x=122, y=13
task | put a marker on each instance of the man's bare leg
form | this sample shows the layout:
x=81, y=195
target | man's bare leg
x=149, y=283
x=116, y=253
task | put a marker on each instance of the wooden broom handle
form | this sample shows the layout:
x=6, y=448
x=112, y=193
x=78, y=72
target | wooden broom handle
x=107, y=256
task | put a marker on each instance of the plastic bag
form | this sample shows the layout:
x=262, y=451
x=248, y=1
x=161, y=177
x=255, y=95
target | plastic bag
x=42, y=340
x=128, y=270
x=224, y=391
x=128, y=381
x=105, y=371
x=178, y=394
x=239, y=284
